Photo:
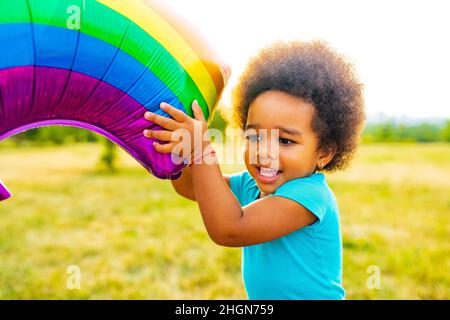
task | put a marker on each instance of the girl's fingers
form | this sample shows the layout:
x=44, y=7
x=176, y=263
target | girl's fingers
x=177, y=114
x=163, y=148
x=198, y=112
x=164, y=122
x=163, y=135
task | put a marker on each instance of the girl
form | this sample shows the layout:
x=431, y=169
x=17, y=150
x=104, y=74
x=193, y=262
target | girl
x=301, y=108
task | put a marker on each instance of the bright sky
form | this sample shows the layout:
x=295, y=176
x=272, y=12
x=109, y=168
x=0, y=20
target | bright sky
x=401, y=49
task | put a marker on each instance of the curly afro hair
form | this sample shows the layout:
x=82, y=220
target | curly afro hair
x=320, y=76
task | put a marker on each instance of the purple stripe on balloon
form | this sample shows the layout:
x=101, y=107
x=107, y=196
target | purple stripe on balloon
x=69, y=98
x=4, y=193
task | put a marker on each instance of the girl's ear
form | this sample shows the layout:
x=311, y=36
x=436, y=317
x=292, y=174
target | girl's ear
x=326, y=154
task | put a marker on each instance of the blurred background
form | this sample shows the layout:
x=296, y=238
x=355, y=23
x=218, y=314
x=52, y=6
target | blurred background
x=80, y=200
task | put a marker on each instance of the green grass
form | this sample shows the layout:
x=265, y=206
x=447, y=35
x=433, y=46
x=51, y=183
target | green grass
x=133, y=237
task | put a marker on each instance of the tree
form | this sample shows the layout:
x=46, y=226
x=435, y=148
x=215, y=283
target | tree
x=446, y=132
x=108, y=156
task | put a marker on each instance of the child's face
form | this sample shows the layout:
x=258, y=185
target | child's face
x=297, y=154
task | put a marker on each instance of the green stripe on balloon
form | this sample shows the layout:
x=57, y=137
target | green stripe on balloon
x=105, y=24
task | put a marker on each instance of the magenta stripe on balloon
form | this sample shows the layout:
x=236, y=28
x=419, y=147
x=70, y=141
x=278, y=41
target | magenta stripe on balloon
x=4, y=193
x=69, y=98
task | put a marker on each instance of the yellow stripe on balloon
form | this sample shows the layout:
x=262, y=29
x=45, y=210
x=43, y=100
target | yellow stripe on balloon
x=161, y=31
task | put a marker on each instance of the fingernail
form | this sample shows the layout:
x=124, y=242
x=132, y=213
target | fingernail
x=147, y=114
x=145, y=132
x=163, y=105
x=154, y=144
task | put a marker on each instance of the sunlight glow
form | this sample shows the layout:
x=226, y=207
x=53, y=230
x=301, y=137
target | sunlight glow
x=400, y=48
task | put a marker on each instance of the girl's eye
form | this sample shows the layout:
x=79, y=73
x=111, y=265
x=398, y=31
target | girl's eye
x=285, y=141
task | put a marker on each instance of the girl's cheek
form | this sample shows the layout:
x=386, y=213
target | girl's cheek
x=292, y=155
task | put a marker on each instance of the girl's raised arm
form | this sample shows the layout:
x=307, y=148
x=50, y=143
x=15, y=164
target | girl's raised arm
x=184, y=187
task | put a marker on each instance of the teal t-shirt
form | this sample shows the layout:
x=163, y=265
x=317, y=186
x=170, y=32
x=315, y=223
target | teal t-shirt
x=305, y=264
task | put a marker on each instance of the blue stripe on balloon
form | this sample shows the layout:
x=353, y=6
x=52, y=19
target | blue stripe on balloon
x=17, y=45
x=59, y=48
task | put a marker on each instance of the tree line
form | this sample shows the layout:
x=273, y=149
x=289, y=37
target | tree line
x=388, y=131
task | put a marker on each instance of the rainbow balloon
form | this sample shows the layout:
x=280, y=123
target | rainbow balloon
x=100, y=65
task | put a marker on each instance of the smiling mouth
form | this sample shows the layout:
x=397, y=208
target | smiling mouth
x=267, y=175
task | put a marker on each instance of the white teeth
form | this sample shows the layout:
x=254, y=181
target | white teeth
x=268, y=172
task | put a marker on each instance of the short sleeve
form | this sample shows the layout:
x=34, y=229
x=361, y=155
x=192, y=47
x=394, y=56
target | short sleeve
x=309, y=192
x=243, y=187
x=236, y=184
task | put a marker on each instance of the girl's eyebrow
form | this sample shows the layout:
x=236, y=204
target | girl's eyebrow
x=290, y=131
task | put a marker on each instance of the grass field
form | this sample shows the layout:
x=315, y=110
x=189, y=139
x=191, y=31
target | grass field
x=133, y=237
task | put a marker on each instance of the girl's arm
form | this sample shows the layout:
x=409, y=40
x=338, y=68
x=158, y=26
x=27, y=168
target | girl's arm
x=230, y=225
x=227, y=223
x=184, y=186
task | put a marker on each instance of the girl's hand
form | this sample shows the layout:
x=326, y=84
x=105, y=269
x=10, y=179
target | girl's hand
x=186, y=137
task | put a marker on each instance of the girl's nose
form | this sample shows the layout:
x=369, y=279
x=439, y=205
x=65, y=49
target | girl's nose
x=268, y=156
